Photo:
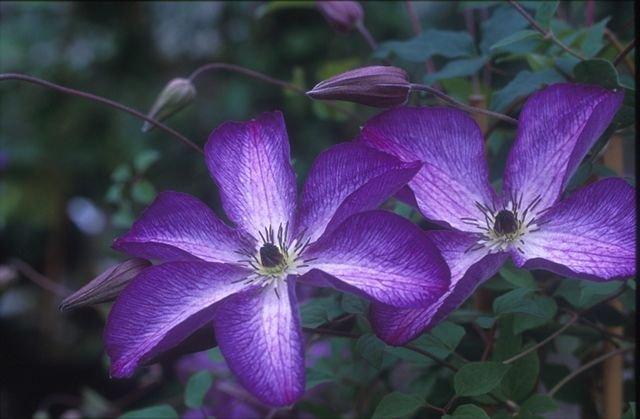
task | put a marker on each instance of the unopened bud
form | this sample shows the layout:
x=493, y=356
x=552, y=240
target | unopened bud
x=106, y=286
x=379, y=86
x=175, y=96
x=342, y=16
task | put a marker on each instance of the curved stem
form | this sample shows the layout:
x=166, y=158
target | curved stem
x=448, y=99
x=367, y=35
x=259, y=76
x=585, y=367
x=574, y=318
x=547, y=34
x=99, y=99
x=630, y=46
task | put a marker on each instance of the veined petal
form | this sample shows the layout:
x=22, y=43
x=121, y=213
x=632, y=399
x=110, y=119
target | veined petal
x=177, y=226
x=468, y=270
x=162, y=307
x=590, y=234
x=381, y=256
x=557, y=126
x=260, y=336
x=346, y=179
x=454, y=176
x=251, y=165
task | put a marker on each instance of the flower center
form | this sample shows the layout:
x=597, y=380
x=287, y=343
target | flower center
x=270, y=255
x=505, y=223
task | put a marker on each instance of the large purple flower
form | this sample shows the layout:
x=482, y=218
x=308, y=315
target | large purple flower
x=588, y=235
x=243, y=278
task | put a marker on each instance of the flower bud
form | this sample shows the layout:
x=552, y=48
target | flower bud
x=106, y=286
x=175, y=96
x=342, y=16
x=379, y=86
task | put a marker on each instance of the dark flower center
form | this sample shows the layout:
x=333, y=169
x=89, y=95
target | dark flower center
x=505, y=223
x=270, y=255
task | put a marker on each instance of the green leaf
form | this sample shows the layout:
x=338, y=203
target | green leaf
x=442, y=340
x=316, y=376
x=353, y=305
x=143, y=191
x=517, y=301
x=397, y=404
x=145, y=159
x=539, y=403
x=521, y=379
x=523, y=84
x=122, y=173
x=631, y=412
x=467, y=411
x=277, y=5
x=593, y=40
x=431, y=42
x=582, y=294
x=477, y=378
x=319, y=311
x=524, y=322
x=371, y=349
x=197, y=387
x=545, y=12
x=503, y=22
x=521, y=278
x=163, y=411
x=457, y=68
x=597, y=71
x=515, y=37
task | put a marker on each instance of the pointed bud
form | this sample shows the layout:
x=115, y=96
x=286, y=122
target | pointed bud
x=379, y=86
x=175, y=96
x=106, y=286
x=342, y=16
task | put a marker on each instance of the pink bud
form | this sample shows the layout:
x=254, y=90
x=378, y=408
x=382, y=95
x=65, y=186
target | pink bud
x=106, y=286
x=379, y=86
x=341, y=15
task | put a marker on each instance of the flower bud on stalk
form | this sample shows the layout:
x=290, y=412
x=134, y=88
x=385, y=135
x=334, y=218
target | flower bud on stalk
x=343, y=16
x=175, y=96
x=106, y=286
x=378, y=86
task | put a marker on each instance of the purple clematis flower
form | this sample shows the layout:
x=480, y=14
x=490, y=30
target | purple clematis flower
x=243, y=278
x=589, y=234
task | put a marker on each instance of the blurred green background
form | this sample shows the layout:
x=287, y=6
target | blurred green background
x=74, y=174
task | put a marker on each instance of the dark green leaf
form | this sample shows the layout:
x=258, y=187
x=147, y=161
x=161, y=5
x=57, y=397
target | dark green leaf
x=457, y=68
x=397, y=404
x=597, y=71
x=354, y=305
x=545, y=12
x=319, y=311
x=593, y=40
x=524, y=322
x=122, y=173
x=517, y=301
x=521, y=379
x=521, y=278
x=504, y=21
x=371, y=348
x=582, y=294
x=145, y=159
x=196, y=388
x=523, y=84
x=163, y=411
x=431, y=42
x=442, y=340
x=515, y=37
x=467, y=411
x=539, y=403
x=316, y=376
x=476, y=378
x=143, y=192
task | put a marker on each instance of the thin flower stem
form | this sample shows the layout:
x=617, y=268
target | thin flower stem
x=574, y=318
x=102, y=100
x=630, y=46
x=39, y=279
x=262, y=77
x=628, y=61
x=367, y=35
x=432, y=356
x=547, y=34
x=585, y=367
x=448, y=99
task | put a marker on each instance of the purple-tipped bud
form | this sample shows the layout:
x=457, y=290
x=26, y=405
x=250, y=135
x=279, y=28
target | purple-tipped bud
x=342, y=16
x=379, y=86
x=106, y=286
x=175, y=96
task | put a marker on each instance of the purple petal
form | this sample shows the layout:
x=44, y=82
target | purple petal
x=468, y=270
x=346, y=179
x=259, y=335
x=177, y=226
x=382, y=256
x=449, y=143
x=589, y=235
x=250, y=162
x=558, y=125
x=162, y=307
